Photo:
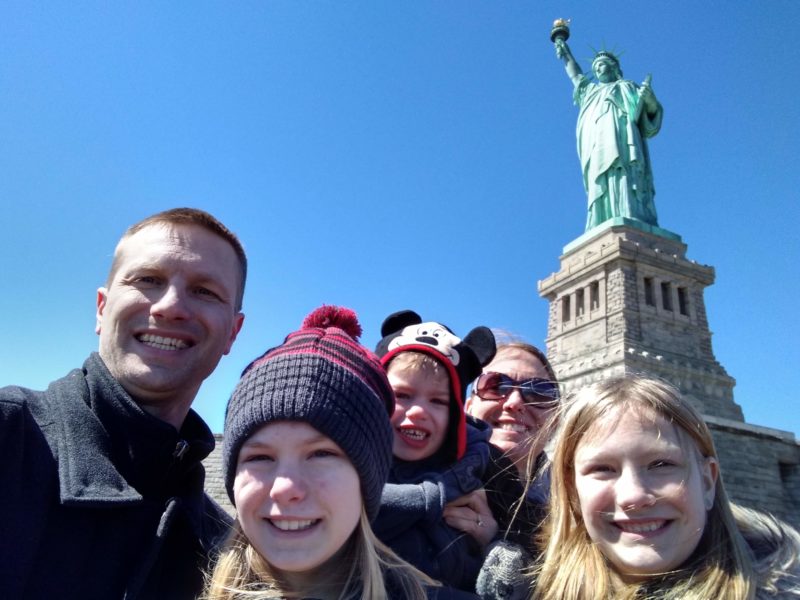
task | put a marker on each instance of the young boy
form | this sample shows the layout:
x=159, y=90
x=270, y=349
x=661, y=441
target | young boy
x=435, y=512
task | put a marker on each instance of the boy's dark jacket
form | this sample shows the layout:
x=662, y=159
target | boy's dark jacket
x=410, y=520
x=96, y=502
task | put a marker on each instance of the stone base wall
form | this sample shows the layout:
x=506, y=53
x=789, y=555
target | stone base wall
x=627, y=300
x=215, y=481
x=760, y=467
x=706, y=385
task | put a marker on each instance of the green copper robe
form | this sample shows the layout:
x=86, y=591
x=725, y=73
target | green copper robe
x=611, y=132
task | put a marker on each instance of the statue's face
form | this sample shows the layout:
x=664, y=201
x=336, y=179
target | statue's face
x=605, y=71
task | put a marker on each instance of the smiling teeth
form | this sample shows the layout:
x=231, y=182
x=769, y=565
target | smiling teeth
x=513, y=427
x=640, y=527
x=292, y=525
x=162, y=343
x=414, y=434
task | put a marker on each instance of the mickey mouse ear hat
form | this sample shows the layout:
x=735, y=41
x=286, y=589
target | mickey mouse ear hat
x=404, y=331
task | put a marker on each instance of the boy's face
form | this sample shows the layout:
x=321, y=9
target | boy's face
x=422, y=411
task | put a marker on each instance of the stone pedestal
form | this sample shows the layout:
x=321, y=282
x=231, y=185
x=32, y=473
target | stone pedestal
x=627, y=300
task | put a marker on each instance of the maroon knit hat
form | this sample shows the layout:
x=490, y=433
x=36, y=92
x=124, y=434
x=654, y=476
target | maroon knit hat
x=323, y=376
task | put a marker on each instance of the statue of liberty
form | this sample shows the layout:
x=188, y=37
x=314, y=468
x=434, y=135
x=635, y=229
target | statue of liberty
x=615, y=117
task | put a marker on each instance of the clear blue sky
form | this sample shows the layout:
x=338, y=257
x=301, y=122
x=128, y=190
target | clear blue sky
x=386, y=155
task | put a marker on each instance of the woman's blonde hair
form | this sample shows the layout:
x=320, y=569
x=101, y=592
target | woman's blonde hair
x=241, y=573
x=573, y=568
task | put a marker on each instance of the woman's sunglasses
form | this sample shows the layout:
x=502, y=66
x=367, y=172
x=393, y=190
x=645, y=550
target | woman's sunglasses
x=536, y=392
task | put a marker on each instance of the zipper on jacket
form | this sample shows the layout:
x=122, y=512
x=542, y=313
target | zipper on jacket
x=180, y=449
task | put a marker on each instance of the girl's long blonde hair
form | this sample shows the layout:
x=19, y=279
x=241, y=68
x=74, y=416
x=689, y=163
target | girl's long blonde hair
x=573, y=568
x=240, y=573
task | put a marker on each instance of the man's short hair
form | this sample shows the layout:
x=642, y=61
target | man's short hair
x=189, y=216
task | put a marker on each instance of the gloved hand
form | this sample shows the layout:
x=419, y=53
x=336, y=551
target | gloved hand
x=501, y=576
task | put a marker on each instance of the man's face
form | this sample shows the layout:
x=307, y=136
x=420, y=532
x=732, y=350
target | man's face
x=514, y=423
x=168, y=315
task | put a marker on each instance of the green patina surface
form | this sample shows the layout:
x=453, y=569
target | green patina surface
x=615, y=117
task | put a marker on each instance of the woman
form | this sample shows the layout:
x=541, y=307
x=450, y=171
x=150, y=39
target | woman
x=638, y=509
x=517, y=395
x=307, y=449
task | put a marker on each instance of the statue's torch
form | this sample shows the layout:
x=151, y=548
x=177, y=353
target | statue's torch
x=560, y=30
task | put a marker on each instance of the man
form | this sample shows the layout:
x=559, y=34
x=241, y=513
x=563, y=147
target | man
x=615, y=118
x=101, y=485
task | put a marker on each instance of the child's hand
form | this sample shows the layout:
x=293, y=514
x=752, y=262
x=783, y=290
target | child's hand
x=471, y=514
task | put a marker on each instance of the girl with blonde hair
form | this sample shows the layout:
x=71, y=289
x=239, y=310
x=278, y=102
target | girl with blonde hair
x=307, y=449
x=638, y=510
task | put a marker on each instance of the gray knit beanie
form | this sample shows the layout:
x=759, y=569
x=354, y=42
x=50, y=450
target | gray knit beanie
x=323, y=376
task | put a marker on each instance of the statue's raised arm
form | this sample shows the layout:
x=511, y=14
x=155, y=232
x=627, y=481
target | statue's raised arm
x=559, y=36
x=570, y=64
x=615, y=117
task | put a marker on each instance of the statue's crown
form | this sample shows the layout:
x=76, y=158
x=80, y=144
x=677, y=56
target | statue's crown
x=607, y=55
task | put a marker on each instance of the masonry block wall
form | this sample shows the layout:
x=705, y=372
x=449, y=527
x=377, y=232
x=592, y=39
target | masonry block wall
x=650, y=317
x=760, y=467
x=215, y=481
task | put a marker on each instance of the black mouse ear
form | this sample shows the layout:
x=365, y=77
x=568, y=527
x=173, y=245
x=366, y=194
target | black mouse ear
x=481, y=341
x=399, y=320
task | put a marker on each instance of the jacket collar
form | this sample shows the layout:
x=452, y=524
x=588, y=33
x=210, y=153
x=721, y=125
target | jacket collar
x=110, y=451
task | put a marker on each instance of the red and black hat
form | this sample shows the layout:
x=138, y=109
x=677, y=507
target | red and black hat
x=323, y=376
x=404, y=331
